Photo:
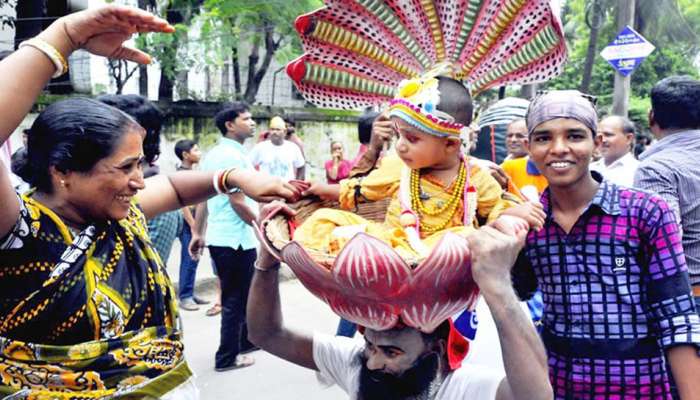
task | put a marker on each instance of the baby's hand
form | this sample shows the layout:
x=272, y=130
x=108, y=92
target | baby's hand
x=531, y=212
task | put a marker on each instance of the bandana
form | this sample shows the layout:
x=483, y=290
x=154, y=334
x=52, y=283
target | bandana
x=457, y=344
x=562, y=104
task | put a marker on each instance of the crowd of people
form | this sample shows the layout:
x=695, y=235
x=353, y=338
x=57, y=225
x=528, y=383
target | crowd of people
x=606, y=241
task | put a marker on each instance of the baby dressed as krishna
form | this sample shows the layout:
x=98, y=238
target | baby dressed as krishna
x=433, y=187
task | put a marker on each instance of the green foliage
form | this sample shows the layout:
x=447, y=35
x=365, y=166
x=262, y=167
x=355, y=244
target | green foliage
x=167, y=50
x=240, y=25
x=676, y=50
x=639, y=111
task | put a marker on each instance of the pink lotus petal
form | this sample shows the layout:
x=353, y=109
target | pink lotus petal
x=369, y=267
x=373, y=315
x=317, y=279
x=446, y=276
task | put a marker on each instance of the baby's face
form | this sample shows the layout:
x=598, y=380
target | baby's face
x=420, y=150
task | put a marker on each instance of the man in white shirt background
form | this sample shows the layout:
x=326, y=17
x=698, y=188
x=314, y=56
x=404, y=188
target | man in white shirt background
x=277, y=156
x=616, y=135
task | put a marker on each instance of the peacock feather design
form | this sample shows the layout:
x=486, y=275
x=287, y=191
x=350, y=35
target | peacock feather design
x=357, y=51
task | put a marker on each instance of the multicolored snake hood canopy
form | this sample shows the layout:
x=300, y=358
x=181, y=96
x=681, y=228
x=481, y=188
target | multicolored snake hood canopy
x=357, y=52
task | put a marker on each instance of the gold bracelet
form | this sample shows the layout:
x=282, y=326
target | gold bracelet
x=58, y=60
x=224, y=183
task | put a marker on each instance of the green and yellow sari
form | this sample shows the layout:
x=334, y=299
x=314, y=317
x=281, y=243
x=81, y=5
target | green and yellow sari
x=88, y=314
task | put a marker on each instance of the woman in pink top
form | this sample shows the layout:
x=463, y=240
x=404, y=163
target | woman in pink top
x=337, y=168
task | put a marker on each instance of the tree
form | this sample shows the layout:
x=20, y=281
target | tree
x=120, y=71
x=674, y=54
x=595, y=14
x=262, y=30
x=143, y=69
x=170, y=50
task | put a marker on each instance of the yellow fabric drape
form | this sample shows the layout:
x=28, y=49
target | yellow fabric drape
x=319, y=231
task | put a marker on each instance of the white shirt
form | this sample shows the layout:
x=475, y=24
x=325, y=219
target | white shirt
x=338, y=362
x=620, y=172
x=281, y=161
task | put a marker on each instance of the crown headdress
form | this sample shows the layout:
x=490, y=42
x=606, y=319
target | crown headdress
x=357, y=53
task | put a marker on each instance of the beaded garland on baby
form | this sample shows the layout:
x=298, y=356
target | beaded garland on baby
x=449, y=208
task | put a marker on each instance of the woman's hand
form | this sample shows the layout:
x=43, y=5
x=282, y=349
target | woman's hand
x=262, y=187
x=103, y=31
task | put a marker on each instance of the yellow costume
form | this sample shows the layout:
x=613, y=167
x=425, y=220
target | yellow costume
x=321, y=231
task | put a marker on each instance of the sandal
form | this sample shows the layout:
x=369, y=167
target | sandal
x=241, y=362
x=214, y=310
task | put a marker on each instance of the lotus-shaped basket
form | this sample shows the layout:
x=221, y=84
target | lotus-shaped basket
x=370, y=284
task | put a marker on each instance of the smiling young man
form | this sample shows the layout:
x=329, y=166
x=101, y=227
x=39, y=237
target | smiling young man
x=611, y=267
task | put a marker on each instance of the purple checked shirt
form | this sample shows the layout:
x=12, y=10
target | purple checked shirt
x=616, y=295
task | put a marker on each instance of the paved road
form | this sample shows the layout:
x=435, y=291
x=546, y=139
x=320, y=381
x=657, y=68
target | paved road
x=271, y=378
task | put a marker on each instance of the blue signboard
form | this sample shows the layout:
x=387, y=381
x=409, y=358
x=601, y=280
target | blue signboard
x=627, y=51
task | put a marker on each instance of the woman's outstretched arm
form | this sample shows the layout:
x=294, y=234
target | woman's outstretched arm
x=23, y=74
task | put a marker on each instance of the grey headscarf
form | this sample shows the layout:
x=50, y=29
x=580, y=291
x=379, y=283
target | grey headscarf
x=562, y=104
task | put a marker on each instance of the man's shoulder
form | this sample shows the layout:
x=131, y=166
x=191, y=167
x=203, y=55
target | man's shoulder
x=471, y=381
x=514, y=162
x=221, y=153
x=262, y=145
x=641, y=200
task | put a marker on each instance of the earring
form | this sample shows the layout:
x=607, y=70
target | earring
x=63, y=183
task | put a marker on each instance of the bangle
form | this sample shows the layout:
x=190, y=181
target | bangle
x=273, y=267
x=224, y=182
x=215, y=180
x=58, y=60
x=219, y=182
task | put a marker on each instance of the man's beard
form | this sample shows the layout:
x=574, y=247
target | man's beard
x=414, y=383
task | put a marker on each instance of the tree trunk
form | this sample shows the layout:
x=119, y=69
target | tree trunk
x=236, y=74
x=165, y=88
x=143, y=80
x=621, y=94
x=251, y=89
x=143, y=69
x=254, y=80
x=166, y=85
x=590, y=59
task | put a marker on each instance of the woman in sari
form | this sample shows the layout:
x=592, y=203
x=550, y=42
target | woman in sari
x=86, y=307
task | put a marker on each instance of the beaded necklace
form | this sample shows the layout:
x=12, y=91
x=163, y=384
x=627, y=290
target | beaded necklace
x=450, y=207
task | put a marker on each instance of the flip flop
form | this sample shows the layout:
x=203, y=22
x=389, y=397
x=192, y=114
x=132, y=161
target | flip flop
x=213, y=310
x=241, y=362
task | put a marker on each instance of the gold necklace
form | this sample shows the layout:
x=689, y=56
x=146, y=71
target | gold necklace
x=450, y=207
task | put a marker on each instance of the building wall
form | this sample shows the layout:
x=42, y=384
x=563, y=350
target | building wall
x=7, y=34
